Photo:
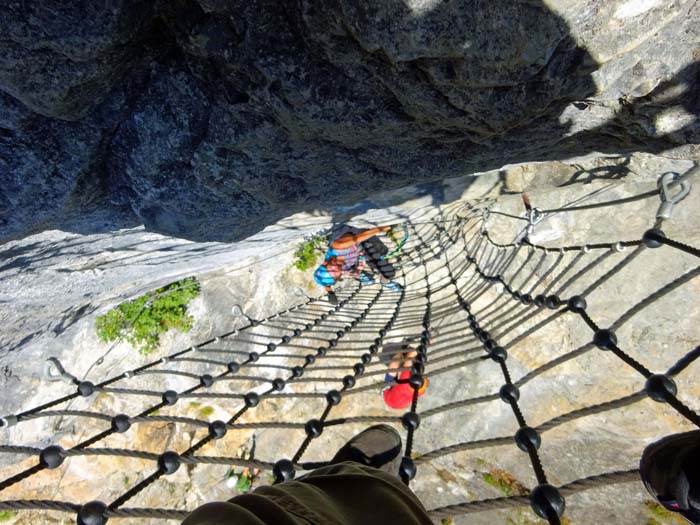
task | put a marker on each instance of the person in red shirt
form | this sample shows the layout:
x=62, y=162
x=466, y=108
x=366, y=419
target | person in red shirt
x=398, y=394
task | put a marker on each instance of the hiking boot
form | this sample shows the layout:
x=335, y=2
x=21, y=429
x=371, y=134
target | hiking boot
x=365, y=278
x=393, y=285
x=378, y=446
x=670, y=470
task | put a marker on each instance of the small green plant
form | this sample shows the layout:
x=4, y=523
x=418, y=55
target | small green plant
x=206, y=411
x=307, y=253
x=660, y=515
x=7, y=515
x=505, y=482
x=142, y=320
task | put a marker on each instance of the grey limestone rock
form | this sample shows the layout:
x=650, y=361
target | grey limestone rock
x=63, y=59
x=208, y=120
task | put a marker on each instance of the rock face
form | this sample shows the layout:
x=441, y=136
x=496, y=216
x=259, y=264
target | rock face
x=209, y=119
x=57, y=282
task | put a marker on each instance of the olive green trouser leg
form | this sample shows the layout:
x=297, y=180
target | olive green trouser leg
x=343, y=494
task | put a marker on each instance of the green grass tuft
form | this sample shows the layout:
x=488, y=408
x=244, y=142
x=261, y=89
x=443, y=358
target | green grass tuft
x=206, y=411
x=143, y=320
x=660, y=515
x=7, y=515
x=308, y=252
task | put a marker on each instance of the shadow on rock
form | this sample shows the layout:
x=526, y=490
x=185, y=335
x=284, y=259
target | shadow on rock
x=237, y=114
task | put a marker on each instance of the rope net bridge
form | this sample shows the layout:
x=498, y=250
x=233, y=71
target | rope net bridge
x=299, y=383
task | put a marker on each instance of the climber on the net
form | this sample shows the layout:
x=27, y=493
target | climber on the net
x=400, y=357
x=351, y=254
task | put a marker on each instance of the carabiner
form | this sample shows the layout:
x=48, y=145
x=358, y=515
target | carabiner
x=668, y=201
x=54, y=371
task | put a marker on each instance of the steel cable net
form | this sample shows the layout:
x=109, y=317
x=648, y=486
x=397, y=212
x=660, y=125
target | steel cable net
x=306, y=379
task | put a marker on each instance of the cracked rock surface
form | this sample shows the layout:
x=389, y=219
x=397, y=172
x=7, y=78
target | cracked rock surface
x=208, y=120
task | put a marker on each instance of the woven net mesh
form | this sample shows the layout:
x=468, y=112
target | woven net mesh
x=280, y=394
